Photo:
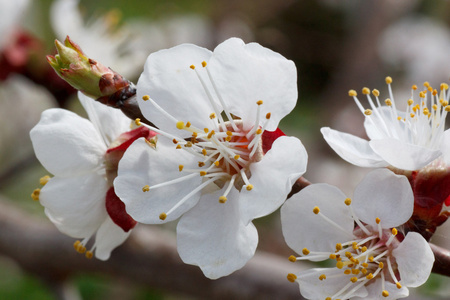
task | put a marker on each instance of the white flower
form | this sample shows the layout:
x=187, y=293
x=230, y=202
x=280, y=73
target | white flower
x=209, y=165
x=79, y=199
x=11, y=13
x=406, y=140
x=373, y=260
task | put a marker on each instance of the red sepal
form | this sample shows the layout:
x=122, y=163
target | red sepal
x=116, y=210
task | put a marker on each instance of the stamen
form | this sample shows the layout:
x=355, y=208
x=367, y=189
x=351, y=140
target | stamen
x=35, y=194
x=43, y=180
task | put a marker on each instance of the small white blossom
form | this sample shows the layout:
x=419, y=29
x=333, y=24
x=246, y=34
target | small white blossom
x=363, y=237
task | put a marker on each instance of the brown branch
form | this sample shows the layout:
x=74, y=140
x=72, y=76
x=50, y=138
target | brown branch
x=149, y=257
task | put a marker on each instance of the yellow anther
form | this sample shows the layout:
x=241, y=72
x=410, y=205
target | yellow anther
x=212, y=116
x=376, y=92
x=348, y=201
x=381, y=265
x=339, y=265
x=398, y=284
x=43, y=180
x=322, y=277
x=146, y=97
x=180, y=125
x=146, y=188
x=211, y=134
x=178, y=147
x=259, y=102
x=435, y=92
x=348, y=254
x=258, y=131
x=388, y=80
x=385, y=293
x=368, y=112
x=347, y=272
x=388, y=102
x=332, y=256
x=410, y=102
x=204, y=152
x=236, y=157
x=354, y=279
x=188, y=124
x=430, y=89
x=188, y=144
x=371, y=258
x=192, y=67
x=216, y=163
x=399, y=118
x=305, y=251
x=363, y=249
x=201, y=164
x=352, y=93
x=355, y=271
x=206, y=130
x=228, y=138
x=249, y=187
x=447, y=108
x=35, y=194
x=268, y=115
x=137, y=122
x=426, y=84
x=365, y=265
x=175, y=141
x=338, y=245
x=444, y=86
x=316, y=210
x=229, y=133
x=222, y=199
x=369, y=276
x=328, y=298
x=292, y=258
x=203, y=64
x=366, y=91
x=203, y=173
x=422, y=95
x=444, y=103
x=162, y=216
x=291, y=277
x=377, y=220
x=89, y=254
x=364, y=271
x=180, y=168
x=414, y=87
x=394, y=231
x=412, y=115
x=80, y=248
x=435, y=107
x=75, y=245
x=355, y=245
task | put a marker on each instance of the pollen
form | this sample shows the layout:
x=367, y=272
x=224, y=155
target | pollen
x=348, y=201
x=354, y=279
x=366, y=91
x=339, y=265
x=89, y=254
x=332, y=256
x=305, y=251
x=347, y=272
x=377, y=220
x=43, y=180
x=203, y=173
x=338, y=245
x=222, y=199
x=388, y=102
x=192, y=67
x=180, y=168
x=35, y=194
x=162, y=216
x=370, y=276
x=212, y=116
x=352, y=93
x=146, y=188
x=137, y=122
x=249, y=187
x=376, y=92
x=204, y=152
x=410, y=102
x=426, y=84
x=211, y=134
x=394, y=231
x=204, y=64
x=268, y=115
x=388, y=80
x=292, y=258
x=368, y=112
x=381, y=265
x=258, y=131
x=385, y=293
x=291, y=277
x=399, y=118
x=201, y=164
x=178, y=147
x=236, y=157
x=146, y=97
x=398, y=284
x=316, y=210
x=206, y=130
x=216, y=163
x=259, y=102
x=414, y=87
x=180, y=125
x=322, y=277
x=75, y=245
x=188, y=124
x=444, y=86
x=447, y=108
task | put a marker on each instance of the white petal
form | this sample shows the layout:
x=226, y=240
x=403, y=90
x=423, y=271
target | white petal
x=404, y=155
x=246, y=73
x=110, y=122
x=67, y=144
x=311, y=287
x=272, y=178
x=380, y=129
x=108, y=237
x=351, y=148
x=213, y=237
x=414, y=259
x=143, y=165
x=169, y=80
x=76, y=205
x=445, y=146
x=385, y=195
x=375, y=291
x=302, y=228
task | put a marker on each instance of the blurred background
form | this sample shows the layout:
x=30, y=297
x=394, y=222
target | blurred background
x=336, y=46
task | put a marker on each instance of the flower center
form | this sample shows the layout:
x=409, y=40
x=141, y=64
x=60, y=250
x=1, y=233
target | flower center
x=365, y=257
x=420, y=125
x=225, y=150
